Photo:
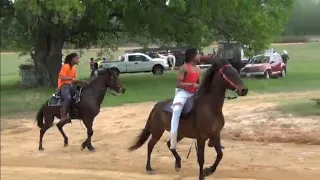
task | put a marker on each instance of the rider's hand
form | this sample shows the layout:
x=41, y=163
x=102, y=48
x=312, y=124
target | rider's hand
x=195, y=85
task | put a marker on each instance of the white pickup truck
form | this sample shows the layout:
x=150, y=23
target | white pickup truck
x=137, y=62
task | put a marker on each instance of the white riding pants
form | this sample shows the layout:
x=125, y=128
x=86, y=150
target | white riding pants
x=181, y=97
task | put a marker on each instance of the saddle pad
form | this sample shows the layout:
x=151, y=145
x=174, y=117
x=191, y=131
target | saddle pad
x=56, y=100
x=186, y=109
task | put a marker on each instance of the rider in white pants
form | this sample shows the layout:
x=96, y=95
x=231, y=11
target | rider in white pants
x=187, y=84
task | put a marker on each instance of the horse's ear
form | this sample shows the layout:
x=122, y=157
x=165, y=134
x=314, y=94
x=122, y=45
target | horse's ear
x=108, y=71
x=215, y=62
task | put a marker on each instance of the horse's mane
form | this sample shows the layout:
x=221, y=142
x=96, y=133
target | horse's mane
x=103, y=73
x=205, y=85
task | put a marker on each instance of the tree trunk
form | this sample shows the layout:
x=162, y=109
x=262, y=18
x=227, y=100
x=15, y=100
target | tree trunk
x=48, y=59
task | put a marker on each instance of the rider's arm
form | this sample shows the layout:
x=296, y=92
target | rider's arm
x=198, y=82
x=199, y=79
x=182, y=72
x=63, y=74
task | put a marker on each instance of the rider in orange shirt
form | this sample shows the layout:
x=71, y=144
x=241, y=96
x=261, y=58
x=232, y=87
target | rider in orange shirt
x=67, y=76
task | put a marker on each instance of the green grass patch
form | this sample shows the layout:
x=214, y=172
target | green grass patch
x=301, y=108
x=303, y=74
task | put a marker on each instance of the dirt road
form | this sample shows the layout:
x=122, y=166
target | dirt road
x=254, y=120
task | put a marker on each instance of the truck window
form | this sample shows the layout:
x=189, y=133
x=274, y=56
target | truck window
x=143, y=58
x=132, y=58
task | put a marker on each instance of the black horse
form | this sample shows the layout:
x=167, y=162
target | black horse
x=86, y=103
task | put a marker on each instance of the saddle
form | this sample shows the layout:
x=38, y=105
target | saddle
x=56, y=99
x=186, y=109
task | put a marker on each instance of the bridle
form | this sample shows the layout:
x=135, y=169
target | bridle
x=226, y=78
x=109, y=89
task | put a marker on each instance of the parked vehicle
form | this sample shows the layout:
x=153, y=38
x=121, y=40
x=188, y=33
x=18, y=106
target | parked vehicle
x=234, y=52
x=265, y=65
x=137, y=62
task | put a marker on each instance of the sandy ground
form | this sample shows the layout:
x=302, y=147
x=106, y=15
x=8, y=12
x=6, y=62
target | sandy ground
x=251, y=135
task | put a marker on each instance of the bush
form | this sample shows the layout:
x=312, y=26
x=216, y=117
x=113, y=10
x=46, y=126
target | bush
x=291, y=39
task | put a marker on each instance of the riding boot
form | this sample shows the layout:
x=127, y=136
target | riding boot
x=64, y=115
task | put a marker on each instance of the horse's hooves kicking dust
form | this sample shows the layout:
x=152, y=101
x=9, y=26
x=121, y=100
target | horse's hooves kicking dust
x=150, y=172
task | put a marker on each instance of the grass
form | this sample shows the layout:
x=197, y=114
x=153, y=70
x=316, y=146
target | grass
x=303, y=73
x=300, y=108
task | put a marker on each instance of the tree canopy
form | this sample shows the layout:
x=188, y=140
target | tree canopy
x=43, y=27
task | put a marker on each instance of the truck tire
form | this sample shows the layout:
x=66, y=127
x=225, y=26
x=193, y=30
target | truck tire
x=157, y=70
x=116, y=70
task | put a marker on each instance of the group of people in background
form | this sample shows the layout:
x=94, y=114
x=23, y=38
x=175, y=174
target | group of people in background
x=94, y=66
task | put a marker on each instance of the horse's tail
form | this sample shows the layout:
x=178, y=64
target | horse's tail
x=39, y=117
x=143, y=136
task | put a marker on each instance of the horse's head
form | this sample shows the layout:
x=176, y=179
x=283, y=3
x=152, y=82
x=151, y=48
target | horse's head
x=229, y=76
x=222, y=73
x=111, y=80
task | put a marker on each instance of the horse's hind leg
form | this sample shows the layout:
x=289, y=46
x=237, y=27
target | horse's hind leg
x=218, y=148
x=60, y=128
x=47, y=125
x=176, y=155
x=153, y=141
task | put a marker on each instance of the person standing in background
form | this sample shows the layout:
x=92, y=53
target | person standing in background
x=92, y=70
x=172, y=60
x=285, y=57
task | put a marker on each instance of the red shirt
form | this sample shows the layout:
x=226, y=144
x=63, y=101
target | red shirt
x=191, y=77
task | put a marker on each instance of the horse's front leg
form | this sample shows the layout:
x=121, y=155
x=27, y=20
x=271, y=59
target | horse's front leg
x=217, y=146
x=200, y=155
x=60, y=128
x=176, y=155
x=88, y=122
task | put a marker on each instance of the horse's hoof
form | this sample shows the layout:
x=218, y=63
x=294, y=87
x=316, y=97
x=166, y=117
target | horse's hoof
x=65, y=145
x=208, y=171
x=177, y=166
x=41, y=149
x=91, y=149
x=82, y=147
x=150, y=172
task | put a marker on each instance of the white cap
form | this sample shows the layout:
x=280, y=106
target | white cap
x=285, y=52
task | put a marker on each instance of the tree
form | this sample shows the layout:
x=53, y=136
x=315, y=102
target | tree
x=251, y=22
x=43, y=27
x=304, y=19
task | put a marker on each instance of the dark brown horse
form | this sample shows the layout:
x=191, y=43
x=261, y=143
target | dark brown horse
x=202, y=117
x=86, y=107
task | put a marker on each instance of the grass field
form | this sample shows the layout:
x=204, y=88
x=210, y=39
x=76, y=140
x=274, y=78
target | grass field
x=301, y=107
x=303, y=74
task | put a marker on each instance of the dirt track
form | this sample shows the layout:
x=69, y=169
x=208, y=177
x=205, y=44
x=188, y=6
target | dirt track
x=252, y=118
